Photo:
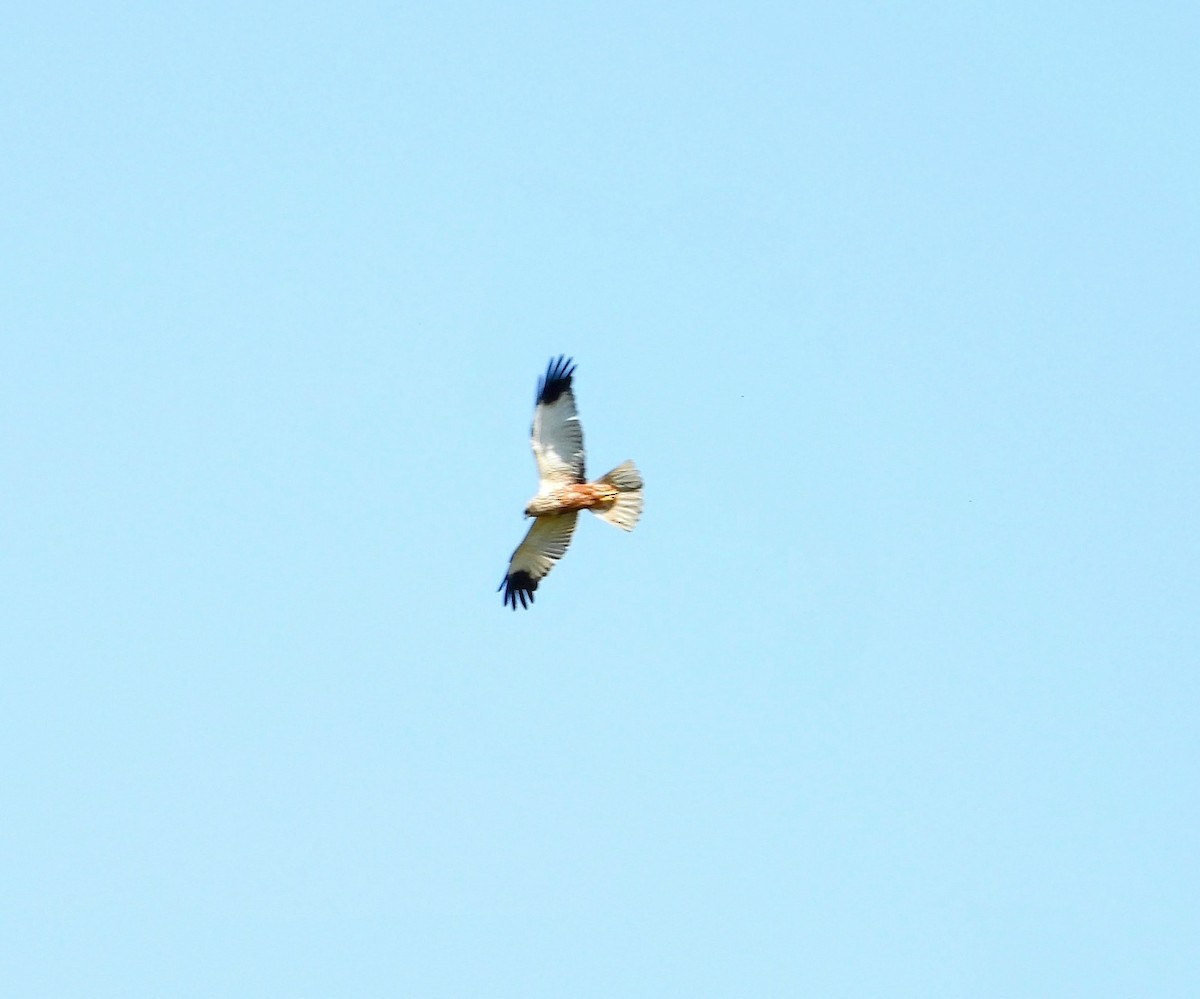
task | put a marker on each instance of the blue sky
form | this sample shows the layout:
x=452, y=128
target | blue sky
x=892, y=692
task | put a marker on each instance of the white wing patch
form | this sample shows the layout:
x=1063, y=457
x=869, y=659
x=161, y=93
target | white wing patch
x=558, y=443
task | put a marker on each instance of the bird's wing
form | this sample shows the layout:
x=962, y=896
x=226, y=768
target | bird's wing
x=557, y=436
x=544, y=545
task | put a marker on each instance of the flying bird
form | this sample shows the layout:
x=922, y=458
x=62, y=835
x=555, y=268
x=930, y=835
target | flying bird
x=557, y=439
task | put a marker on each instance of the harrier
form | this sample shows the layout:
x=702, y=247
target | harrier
x=564, y=490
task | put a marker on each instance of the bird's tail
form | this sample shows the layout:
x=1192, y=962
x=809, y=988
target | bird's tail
x=627, y=507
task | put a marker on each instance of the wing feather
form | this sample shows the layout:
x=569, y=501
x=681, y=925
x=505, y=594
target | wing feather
x=534, y=557
x=557, y=434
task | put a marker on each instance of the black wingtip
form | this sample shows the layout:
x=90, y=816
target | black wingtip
x=556, y=380
x=520, y=585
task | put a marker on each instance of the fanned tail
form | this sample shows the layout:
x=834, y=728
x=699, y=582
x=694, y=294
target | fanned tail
x=627, y=508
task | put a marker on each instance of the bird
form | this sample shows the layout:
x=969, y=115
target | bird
x=563, y=490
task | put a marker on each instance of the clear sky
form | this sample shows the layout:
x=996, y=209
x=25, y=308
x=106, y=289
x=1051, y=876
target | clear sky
x=893, y=692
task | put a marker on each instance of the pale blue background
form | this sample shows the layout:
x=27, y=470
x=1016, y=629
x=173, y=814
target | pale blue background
x=894, y=691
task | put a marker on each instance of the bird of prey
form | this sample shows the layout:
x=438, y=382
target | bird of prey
x=557, y=439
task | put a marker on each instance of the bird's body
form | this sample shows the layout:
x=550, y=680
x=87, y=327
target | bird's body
x=557, y=440
x=595, y=496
